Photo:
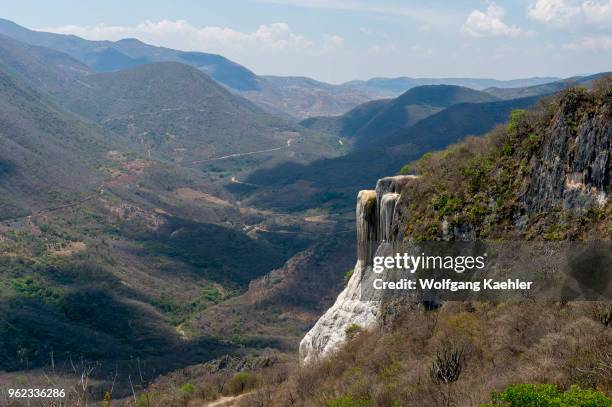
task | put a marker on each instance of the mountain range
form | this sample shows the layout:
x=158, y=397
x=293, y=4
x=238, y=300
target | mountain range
x=106, y=56
x=294, y=97
x=402, y=84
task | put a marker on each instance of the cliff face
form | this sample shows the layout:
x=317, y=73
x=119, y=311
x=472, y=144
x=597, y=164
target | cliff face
x=546, y=176
x=374, y=216
x=573, y=167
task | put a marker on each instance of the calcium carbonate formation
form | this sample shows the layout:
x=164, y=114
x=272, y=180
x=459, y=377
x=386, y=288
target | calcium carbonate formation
x=374, y=216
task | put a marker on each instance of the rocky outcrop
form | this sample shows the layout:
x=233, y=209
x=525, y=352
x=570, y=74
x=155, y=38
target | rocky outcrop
x=330, y=329
x=573, y=169
x=374, y=216
x=388, y=195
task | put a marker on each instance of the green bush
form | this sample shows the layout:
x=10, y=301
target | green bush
x=241, y=382
x=188, y=388
x=143, y=401
x=29, y=286
x=547, y=395
x=349, y=401
x=352, y=330
x=211, y=293
x=347, y=276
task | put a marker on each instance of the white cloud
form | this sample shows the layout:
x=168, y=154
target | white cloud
x=558, y=12
x=332, y=42
x=490, y=23
x=592, y=43
x=182, y=35
x=599, y=13
x=571, y=12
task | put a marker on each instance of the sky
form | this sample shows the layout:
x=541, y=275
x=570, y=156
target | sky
x=341, y=40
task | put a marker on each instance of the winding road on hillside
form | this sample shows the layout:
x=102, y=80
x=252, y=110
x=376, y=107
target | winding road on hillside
x=234, y=155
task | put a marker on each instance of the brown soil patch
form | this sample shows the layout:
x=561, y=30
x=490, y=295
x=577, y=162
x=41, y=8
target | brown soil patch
x=70, y=249
x=193, y=195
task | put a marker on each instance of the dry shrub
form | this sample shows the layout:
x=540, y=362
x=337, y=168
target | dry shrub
x=603, y=87
x=602, y=312
x=502, y=343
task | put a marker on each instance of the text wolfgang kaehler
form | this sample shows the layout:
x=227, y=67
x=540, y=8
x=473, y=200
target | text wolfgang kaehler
x=458, y=264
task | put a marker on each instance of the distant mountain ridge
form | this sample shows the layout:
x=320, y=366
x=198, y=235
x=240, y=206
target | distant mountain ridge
x=292, y=97
x=305, y=97
x=105, y=56
x=402, y=84
x=544, y=89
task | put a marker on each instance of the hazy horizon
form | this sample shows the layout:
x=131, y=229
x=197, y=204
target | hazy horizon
x=342, y=40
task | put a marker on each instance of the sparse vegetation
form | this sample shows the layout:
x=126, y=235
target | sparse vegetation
x=457, y=357
x=352, y=330
x=602, y=312
x=347, y=276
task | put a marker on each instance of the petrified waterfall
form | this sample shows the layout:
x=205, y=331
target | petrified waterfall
x=387, y=206
x=374, y=217
x=366, y=216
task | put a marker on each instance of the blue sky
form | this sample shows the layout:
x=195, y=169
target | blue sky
x=341, y=40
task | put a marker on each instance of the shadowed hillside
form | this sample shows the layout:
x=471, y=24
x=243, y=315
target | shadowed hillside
x=413, y=106
x=348, y=124
x=373, y=123
x=331, y=181
x=46, y=154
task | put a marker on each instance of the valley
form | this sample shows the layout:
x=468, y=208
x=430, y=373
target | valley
x=170, y=219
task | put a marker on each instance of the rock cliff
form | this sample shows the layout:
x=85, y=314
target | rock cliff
x=572, y=169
